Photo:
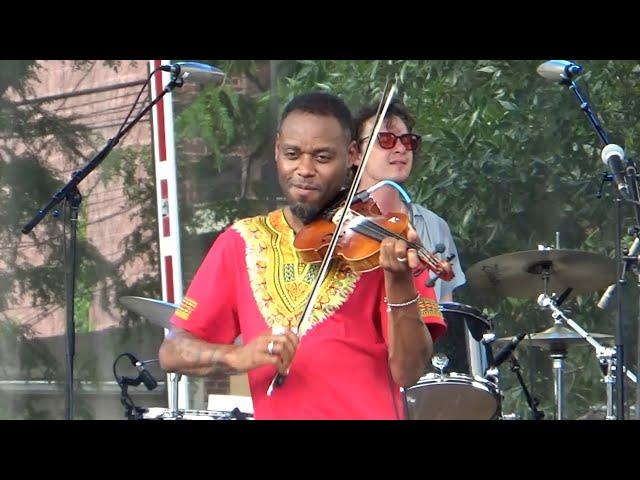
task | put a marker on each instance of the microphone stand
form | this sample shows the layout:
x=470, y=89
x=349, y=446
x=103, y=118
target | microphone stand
x=632, y=261
x=533, y=402
x=619, y=352
x=71, y=194
x=132, y=412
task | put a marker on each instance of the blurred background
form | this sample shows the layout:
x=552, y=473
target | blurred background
x=507, y=159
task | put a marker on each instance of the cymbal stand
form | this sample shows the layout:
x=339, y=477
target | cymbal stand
x=175, y=411
x=606, y=355
x=558, y=357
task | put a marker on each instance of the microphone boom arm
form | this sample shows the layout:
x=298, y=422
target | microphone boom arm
x=586, y=108
x=79, y=175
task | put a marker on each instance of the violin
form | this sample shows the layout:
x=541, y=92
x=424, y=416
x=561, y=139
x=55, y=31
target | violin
x=359, y=244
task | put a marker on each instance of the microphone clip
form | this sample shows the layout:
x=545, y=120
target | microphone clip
x=132, y=382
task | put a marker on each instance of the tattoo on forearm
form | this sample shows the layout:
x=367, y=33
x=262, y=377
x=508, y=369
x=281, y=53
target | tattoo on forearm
x=202, y=361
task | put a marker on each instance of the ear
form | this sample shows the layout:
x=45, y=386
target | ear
x=354, y=154
x=276, y=149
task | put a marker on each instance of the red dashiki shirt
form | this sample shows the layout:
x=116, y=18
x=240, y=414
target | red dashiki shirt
x=252, y=280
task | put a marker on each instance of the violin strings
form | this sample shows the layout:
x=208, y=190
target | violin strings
x=382, y=230
x=378, y=232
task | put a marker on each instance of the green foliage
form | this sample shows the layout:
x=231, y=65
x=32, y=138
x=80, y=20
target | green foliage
x=507, y=159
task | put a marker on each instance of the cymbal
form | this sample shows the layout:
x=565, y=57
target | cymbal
x=520, y=274
x=156, y=311
x=557, y=338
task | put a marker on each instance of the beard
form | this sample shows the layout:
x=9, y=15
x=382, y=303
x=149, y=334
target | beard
x=306, y=212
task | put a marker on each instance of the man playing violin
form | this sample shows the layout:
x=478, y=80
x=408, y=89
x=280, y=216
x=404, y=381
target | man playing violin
x=392, y=158
x=366, y=335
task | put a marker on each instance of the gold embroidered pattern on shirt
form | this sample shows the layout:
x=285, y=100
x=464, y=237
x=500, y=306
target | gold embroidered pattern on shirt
x=186, y=307
x=428, y=308
x=281, y=283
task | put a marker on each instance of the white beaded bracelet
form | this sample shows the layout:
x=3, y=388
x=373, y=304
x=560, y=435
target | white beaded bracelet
x=389, y=305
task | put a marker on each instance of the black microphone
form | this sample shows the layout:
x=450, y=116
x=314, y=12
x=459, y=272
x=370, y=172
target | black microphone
x=507, y=350
x=364, y=195
x=195, y=72
x=361, y=196
x=146, y=376
x=613, y=156
x=606, y=297
x=559, y=71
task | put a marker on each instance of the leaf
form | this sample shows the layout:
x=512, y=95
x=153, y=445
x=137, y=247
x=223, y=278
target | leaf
x=508, y=105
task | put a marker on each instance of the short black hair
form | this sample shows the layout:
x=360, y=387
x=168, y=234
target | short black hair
x=396, y=109
x=322, y=103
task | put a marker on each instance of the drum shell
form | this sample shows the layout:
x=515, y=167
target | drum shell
x=462, y=392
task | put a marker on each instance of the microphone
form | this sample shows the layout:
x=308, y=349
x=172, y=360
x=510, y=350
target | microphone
x=507, y=350
x=559, y=70
x=364, y=195
x=195, y=72
x=612, y=156
x=606, y=297
x=144, y=374
x=146, y=377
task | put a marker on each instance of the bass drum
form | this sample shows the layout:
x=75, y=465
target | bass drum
x=463, y=393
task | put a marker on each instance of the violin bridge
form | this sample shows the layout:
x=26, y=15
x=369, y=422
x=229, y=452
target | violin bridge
x=338, y=214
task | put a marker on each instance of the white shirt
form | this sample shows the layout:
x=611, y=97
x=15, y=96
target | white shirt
x=432, y=230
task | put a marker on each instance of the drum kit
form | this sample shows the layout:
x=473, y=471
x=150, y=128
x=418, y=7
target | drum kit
x=470, y=389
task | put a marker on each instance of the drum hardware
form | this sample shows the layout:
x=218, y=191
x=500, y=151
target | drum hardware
x=510, y=416
x=526, y=274
x=606, y=355
x=440, y=362
x=457, y=388
x=156, y=413
x=556, y=340
x=488, y=338
x=175, y=380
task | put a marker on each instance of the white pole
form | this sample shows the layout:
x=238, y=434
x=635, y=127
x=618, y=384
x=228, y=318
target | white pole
x=167, y=206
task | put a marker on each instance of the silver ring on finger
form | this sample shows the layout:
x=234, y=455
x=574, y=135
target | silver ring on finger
x=270, y=346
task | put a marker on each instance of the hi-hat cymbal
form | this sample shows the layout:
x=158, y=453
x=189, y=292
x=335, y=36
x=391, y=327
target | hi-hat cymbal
x=156, y=311
x=557, y=338
x=521, y=274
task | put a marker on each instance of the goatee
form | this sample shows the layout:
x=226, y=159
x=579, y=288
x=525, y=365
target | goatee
x=305, y=212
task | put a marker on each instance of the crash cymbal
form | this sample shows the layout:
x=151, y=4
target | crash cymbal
x=557, y=338
x=156, y=311
x=521, y=274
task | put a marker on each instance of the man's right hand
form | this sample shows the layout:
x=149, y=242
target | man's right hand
x=257, y=352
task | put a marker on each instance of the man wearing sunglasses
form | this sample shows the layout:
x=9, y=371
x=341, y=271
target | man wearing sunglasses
x=392, y=158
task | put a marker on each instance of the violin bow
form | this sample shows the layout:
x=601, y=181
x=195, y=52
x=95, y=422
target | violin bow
x=389, y=91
